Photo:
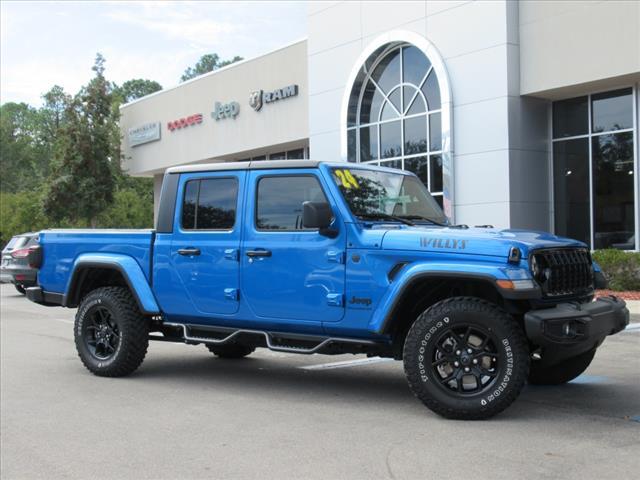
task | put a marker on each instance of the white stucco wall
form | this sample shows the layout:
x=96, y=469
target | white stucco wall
x=278, y=125
x=479, y=43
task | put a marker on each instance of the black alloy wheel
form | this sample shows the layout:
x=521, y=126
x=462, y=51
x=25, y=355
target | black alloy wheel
x=465, y=359
x=101, y=333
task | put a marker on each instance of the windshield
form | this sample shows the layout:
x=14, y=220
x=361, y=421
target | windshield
x=374, y=194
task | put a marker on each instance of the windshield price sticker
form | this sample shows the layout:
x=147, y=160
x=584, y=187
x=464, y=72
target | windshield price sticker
x=347, y=179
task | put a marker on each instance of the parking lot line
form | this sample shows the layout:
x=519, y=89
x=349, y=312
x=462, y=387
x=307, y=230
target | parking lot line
x=348, y=363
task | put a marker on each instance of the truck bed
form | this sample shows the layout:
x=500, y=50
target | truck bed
x=62, y=248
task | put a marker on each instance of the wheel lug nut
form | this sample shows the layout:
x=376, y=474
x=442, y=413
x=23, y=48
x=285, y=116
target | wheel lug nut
x=457, y=352
x=456, y=364
x=469, y=350
x=475, y=361
x=466, y=369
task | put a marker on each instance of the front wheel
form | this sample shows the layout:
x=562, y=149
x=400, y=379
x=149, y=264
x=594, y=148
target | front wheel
x=562, y=372
x=111, y=334
x=466, y=358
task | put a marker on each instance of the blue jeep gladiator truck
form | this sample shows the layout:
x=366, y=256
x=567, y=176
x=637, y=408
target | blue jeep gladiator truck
x=332, y=258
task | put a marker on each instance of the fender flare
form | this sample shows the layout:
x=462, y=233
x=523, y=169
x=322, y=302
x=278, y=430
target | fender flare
x=382, y=316
x=126, y=266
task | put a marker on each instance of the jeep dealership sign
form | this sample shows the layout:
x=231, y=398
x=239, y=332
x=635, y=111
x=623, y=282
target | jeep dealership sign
x=258, y=98
x=149, y=132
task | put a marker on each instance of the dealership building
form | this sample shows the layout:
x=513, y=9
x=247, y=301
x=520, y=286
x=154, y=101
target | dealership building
x=520, y=114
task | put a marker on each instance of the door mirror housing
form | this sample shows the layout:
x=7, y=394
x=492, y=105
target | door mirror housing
x=318, y=215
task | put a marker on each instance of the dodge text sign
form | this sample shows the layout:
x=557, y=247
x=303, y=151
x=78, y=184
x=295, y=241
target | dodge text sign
x=194, y=119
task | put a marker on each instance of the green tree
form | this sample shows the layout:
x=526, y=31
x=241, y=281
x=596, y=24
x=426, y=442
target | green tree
x=23, y=154
x=207, y=63
x=82, y=179
x=136, y=88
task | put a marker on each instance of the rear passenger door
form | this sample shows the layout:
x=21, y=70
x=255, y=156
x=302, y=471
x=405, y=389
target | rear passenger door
x=206, y=242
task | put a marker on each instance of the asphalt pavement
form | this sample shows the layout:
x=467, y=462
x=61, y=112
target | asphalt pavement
x=187, y=414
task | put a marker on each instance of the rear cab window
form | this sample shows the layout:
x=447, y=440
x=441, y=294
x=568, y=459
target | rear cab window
x=210, y=204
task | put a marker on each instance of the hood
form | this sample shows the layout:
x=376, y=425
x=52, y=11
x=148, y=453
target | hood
x=475, y=241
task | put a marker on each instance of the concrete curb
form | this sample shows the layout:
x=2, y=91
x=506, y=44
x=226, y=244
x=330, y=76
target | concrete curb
x=633, y=306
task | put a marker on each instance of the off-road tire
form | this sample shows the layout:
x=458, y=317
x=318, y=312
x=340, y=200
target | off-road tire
x=21, y=290
x=231, y=350
x=502, y=333
x=133, y=330
x=562, y=372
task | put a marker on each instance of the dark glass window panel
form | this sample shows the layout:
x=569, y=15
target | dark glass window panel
x=440, y=200
x=217, y=204
x=387, y=73
x=613, y=202
x=407, y=96
x=435, y=132
x=415, y=135
x=571, y=189
x=189, y=204
x=390, y=139
x=417, y=106
x=352, y=111
x=370, y=107
x=431, y=91
x=570, y=117
x=388, y=112
x=351, y=145
x=368, y=143
x=297, y=154
x=394, y=97
x=280, y=199
x=278, y=156
x=261, y=157
x=436, y=173
x=612, y=110
x=392, y=164
x=243, y=160
x=414, y=65
x=419, y=166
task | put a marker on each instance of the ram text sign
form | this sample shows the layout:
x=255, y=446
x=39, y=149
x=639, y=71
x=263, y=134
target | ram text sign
x=258, y=98
x=149, y=132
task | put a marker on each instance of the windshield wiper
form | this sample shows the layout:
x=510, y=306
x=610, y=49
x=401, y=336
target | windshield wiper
x=385, y=216
x=420, y=217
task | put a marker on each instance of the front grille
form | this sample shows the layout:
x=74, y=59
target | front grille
x=562, y=271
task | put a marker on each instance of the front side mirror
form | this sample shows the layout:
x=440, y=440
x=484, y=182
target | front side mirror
x=318, y=215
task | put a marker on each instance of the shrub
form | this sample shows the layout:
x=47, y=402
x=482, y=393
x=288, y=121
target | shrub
x=621, y=268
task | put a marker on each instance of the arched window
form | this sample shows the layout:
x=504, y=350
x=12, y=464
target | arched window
x=394, y=115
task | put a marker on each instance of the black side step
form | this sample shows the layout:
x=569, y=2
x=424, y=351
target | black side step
x=276, y=341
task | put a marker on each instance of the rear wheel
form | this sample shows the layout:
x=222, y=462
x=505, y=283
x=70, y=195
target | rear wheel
x=562, y=372
x=111, y=334
x=20, y=289
x=466, y=358
x=230, y=350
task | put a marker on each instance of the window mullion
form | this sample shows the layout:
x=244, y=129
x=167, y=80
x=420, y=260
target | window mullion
x=591, y=199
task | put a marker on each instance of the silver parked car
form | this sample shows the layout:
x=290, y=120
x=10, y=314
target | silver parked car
x=15, y=262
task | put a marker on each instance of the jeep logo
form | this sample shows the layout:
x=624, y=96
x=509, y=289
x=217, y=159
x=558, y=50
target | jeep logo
x=225, y=110
x=366, y=301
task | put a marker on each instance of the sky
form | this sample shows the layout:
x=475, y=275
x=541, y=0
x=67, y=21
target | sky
x=55, y=43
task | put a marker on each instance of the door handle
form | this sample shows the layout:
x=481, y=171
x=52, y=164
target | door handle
x=189, y=251
x=258, y=253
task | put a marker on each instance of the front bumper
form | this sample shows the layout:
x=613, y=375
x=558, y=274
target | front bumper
x=570, y=329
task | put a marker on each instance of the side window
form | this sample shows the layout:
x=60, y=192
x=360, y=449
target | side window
x=279, y=202
x=210, y=204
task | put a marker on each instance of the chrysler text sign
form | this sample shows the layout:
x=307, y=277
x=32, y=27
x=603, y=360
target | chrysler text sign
x=149, y=132
x=258, y=98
